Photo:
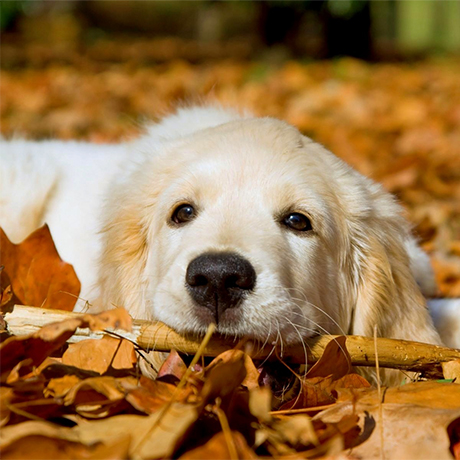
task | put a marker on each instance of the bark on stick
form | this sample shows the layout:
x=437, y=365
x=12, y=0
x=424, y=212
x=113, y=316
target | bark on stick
x=392, y=353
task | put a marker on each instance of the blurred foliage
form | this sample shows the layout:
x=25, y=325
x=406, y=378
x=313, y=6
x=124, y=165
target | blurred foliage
x=313, y=28
x=9, y=12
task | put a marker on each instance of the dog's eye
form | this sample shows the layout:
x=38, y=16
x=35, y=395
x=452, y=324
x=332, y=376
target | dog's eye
x=298, y=222
x=183, y=213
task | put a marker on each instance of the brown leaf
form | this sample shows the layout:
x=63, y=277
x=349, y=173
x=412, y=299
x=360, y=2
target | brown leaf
x=52, y=368
x=224, y=375
x=453, y=430
x=173, y=366
x=251, y=381
x=297, y=430
x=49, y=338
x=410, y=413
x=28, y=447
x=260, y=401
x=430, y=394
x=44, y=408
x=320, y=391
x=330, y=373
x=335, y=361
x=100, y=354
x=451, y=370
x=151, y=437
x=37, y=274
x=346, y=428
x=350, y=381
x=151, y=395
x=217, y=448
x=6, y=394
x=19, y=371
x=58, y=388
x=6, y=295
x=314, y=392
x=117, y=318
x=90, y=391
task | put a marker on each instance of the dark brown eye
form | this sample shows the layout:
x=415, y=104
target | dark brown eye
x=183, y=213
x=298, y=222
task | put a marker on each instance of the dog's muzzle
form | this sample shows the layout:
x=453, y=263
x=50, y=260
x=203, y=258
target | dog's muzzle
x=219, y=281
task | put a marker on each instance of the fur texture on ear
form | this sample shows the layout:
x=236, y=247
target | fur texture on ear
x=386, y=292
x=124, y=250
x=378, y=280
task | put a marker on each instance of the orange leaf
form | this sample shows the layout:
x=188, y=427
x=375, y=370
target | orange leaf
x=39, y=277
x=28, y=447
x=217, y=448
x=150, y=395
x=335, y=361
x=224, y=375
x=6, y=295
x=58, y=388
x=319, y=391
x=173, y=366
x=100, y=354
x=49, y=338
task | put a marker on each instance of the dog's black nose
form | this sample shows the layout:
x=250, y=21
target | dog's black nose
x=219, y=281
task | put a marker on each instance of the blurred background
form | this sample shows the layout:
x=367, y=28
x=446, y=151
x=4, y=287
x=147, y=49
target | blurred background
x=377, y=82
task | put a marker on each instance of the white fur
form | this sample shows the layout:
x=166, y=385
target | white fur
x=241, y=173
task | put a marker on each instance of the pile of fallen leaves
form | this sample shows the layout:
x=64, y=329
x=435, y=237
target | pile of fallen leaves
x=90, y=400
x=397, y=123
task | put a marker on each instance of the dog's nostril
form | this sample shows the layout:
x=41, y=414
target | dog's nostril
x=197, y=280
x=231, y=281
x=239, y=282
x=219, y=281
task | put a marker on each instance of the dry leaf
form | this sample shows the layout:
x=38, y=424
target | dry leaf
x=99, y=354
x=173, y=367
x=224, y=375
x=260, y=401
x=410, y=412
x=217, y=448
x=52, y=336
x=28, y=447
x=58, y=388
x=6, y=295
x=451, y=370
x=95, y=391
x=298, y=431
x=453, y=430
x=150, y=395
x=335, y=361
x=6, y=394
x=326, y=377
x=37, y=274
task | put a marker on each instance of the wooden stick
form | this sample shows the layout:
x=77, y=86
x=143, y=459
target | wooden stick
x=396, y=354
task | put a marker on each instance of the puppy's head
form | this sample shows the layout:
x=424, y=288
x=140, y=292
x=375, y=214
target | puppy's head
x=254, y=227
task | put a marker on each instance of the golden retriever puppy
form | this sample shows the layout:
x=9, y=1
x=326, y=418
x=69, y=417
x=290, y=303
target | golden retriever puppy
x=251, y=225
x=213, y=216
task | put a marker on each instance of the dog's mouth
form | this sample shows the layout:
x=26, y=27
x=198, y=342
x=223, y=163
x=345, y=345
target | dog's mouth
x=235, y=326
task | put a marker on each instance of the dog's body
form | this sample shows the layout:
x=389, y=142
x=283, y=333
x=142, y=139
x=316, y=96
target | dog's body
x=214, y=216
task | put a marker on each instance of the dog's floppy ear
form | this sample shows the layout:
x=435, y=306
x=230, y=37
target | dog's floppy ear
x=124, y=250
x=386, y=292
